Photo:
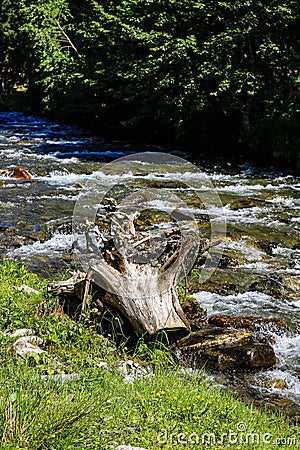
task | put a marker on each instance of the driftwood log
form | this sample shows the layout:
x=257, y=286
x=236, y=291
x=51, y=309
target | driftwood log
x=134, y=272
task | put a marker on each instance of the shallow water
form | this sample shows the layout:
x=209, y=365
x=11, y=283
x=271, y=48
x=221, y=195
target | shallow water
x=260, y=270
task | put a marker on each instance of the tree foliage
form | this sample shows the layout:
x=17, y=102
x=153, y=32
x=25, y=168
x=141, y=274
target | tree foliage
x=211, y=75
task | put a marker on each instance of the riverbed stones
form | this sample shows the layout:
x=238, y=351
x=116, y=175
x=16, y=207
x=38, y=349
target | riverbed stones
x=218, y=349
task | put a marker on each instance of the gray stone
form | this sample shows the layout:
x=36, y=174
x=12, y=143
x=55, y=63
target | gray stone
x=27, y=289
x=55, y=363
x=20, y=332
x=27, y=345
x=61, y=377
x=29, y=350
x=102, y=365
x=131, y=371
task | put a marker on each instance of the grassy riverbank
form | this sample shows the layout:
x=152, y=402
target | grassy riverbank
x=97, y=409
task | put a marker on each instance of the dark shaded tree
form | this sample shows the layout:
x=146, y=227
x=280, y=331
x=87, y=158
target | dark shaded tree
x=210, y=75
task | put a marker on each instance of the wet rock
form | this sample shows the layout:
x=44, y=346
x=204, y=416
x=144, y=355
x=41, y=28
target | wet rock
x=139, y=173
x=60, y=226
x=267, y=246
x=5, y=172
x=193, y=311
x=257, y=234
x=234, y=280
x=286, y=287
x=14, y=237
x=19, y=241
x=21, y=173
x=217, y=349
x=227, y=261
x=159, y=184
x=148, y=218
x=11, y=230
x=292, y=283
x=244, y=203
x=17, y=172
x=210, y=336
x=277, y=383
x=252, y=357
x=247, y=323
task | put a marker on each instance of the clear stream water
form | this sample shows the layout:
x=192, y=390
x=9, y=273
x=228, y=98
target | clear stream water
x=260, y=271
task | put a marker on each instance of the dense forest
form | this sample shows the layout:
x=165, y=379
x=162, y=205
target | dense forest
x=211, y=76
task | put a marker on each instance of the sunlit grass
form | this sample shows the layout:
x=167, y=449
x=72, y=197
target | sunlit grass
x=97, y=410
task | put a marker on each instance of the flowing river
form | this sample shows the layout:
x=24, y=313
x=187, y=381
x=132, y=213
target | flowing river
x=259, y=274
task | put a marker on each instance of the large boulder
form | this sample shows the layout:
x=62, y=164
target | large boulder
x=219, y=349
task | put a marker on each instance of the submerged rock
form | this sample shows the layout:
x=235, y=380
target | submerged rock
x=217, y=349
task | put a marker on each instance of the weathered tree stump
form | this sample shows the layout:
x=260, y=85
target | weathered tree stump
x=140, y=288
